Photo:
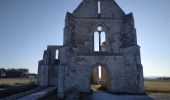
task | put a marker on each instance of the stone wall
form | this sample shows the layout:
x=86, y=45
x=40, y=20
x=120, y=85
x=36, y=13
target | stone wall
x=73, y=71
x=78, y=74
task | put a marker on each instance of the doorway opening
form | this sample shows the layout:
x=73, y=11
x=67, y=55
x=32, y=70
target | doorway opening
x=99, y=79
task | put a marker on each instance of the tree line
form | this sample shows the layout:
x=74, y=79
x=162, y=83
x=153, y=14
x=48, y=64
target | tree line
x=13, y=72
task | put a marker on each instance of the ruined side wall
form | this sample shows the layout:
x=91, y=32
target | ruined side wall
x=133, y=69
x=48, y=67
x=42, y=74
x=128, y=32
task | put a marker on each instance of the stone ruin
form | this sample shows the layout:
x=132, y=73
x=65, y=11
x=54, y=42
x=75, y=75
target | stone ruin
x=100, y=47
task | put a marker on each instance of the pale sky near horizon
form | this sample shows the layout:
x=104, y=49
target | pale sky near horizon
x=28, y=26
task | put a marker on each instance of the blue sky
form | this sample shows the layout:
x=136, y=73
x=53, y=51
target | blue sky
x=28, y=26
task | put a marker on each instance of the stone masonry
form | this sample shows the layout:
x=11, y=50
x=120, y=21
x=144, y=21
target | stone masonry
x=119, y=54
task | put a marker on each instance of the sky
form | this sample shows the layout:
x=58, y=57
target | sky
x=28, y=26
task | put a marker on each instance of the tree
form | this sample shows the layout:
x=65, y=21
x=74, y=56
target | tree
x=13, y=72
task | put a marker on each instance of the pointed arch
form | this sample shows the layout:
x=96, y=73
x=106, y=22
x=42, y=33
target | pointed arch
x=99, y=39
x=100, y=78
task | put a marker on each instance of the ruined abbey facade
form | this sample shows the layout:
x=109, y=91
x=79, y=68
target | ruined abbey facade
x=100, y=47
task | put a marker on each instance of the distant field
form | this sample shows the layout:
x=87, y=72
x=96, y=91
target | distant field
x=12, y=81
x=150, y=85
x=157, y=86
x=10, y=86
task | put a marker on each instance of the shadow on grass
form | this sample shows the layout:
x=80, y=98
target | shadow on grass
x=7, y=90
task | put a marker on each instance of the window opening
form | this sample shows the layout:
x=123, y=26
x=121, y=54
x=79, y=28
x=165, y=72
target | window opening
x=99, y=7
x=56, y=55
x=103, y=36
x=99, y=39
x=96, y=41
x=100, y=72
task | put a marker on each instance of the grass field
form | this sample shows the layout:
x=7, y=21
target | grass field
x=159, y=86
x=10, y=86
x=12, y=81
x=151, y=86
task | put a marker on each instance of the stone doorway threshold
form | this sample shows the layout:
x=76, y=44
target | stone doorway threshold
x=98, y=88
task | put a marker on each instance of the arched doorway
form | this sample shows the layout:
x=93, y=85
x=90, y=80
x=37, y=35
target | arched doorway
x=99, y=79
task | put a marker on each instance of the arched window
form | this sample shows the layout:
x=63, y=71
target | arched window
x=99, y=39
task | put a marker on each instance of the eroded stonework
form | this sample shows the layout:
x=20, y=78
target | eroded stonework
x=119, y=54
